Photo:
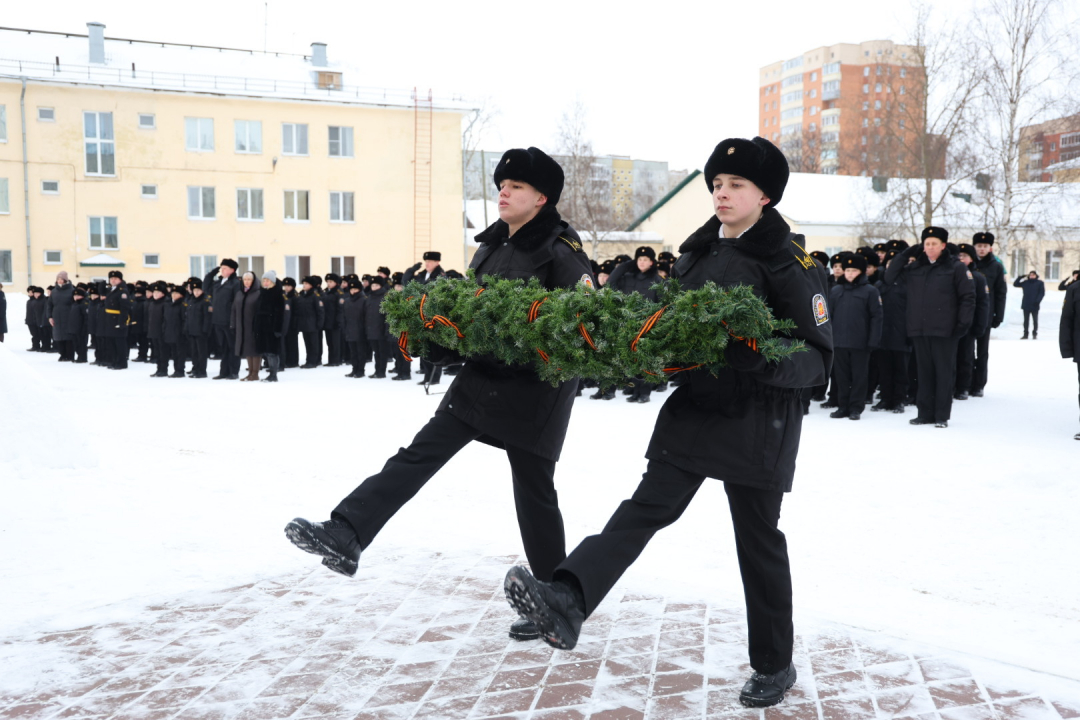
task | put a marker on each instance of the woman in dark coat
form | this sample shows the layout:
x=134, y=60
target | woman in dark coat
x=1034, y=290
x=244, y=307
x=270, y=323
x=59, y=309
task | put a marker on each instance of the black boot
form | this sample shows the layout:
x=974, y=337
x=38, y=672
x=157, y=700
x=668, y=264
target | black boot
x=335, y=540
x=273, y=364
x=557, y=608
x=763, y=690
x=523, y=629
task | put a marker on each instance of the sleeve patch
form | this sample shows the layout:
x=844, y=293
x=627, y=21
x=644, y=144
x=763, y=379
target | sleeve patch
x=586, y=280
x=821, y=309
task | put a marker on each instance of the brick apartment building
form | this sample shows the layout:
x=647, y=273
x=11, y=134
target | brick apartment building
x=849, y=109
x=1047, y=148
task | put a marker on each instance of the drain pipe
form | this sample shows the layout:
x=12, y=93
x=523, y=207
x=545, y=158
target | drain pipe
x=26, y=184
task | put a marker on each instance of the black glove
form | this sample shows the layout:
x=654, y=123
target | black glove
x=995, y=323
x=740, y=357
x=417, y=266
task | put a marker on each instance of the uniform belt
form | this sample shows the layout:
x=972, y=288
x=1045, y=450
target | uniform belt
x=112, y=312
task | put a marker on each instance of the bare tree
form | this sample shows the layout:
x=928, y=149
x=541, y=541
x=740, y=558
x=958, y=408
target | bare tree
x=586, y=201
x=803, y=151
x=478, y=125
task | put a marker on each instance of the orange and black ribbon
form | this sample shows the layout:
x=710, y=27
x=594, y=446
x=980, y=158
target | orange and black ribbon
x=649, y=324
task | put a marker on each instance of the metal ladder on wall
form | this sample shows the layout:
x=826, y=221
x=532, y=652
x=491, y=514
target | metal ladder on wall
x=423, y=112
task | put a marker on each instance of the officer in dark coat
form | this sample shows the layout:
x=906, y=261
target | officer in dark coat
x=980, y=325
x=1034, y=291
x=1069, y=330
x=197, y=326
x=173, y=334
x=940, y=310
x=76, y=325
x=994, y=272
x=431, y=272
x=117, y=305
x=290, y=350
x=3, y=313
x=376, y=329
x=333, y=322
x=138, y=322
x=741, y=425
x=895, y=348
x=855, y=306
x=506, y=406
x=310, y=318
x=95, y=322
x=220, y=286
x=637, y=276
x=402, y=364
x=353, y=313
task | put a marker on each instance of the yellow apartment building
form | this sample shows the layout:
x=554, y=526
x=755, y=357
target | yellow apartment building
x=161, y=159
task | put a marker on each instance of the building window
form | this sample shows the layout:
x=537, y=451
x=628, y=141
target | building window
x=50, y=187
x=866, y=105
x=200, y=203
x=863, y=140
x=866, y=71
x=103, y=234
x=152, y=260
x=5, y=266
x=3, y=123
x=249, y=204
x=830, y=68
x=1053, y=264
x=294, y=139
x=813, y=93
x=342, y=264
x=903, y=72
x=1053, y=147
x=813, y=128
x=813, y=109
x=45, y=114
x=5, y=198
x=865, y=122
x=148, y=191
x=1070, y=140
x=53, y=257
x=100, y=143
x=903, y=123
x=341, y=141
x=813, y=76
x=765, y=107
x=250, y=263
x=793, y=80
x=341, y=207
x=248, y=136
x=830, y=120
x=877, y=104
x=296, y=205
x=200, y=265
x=297, y=266
x=790, y=97
x=902, y=90
x=1019, y=262
x=865, y=88
x=147, y=121
x=199, y=134
x=877, y=122
x=877, y=87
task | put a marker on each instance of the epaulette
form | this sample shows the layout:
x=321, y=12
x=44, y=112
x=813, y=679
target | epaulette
x=575, y=245
x=802, y=256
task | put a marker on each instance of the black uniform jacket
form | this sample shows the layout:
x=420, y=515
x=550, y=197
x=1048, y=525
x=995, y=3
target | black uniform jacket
x=940, y=295
x=856, y=314
x=994, y=272
x=309, y=311
x=77, y=320
x=894, y=319
x=741, y=427
x=416, y=272
x=197, y=321
x=333, y=301
x=980, y=324
x=511, y=405
x=155, y=317
x=626, y=278
x=290, y=312
x=353, y=312
x=1034, y=291
x=1069, y=331
x=117, y=311
x=375, y=326
x=94, y=315
x=220, y=293
x=172, y=321
x=138, y=315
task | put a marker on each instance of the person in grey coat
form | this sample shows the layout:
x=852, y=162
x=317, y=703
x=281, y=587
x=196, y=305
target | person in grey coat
x=244, y=307
x=59, y=310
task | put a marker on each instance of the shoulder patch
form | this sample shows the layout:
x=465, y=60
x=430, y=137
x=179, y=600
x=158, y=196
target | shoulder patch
x=575, y=245
x=821, y=309
x=586, y=280
x=123, y=296
x=969, y=275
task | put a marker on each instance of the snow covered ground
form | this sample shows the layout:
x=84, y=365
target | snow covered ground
x=121, y=491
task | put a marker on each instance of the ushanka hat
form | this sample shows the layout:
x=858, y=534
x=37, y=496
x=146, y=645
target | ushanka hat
x=116, y=274
x=291, y=282
x=967, y=249
x=821, y=257
x=645, y=251
x=227, y=262
x=854, y=260
x=897, y=245
x=333, y=277
x=533, y=166
x=836, y=259
x=433, y=255
x=935, y=232
x=383, y=270
x=397, y=278
x=666, y=257
x=982, y=237
x=757, y=160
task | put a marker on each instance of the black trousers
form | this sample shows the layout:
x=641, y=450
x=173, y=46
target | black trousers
x=913, y=374
x=982, y=357
x=664, y=493
x=1033, y=316
x=66, y=348
x=35, y=337
x=313, y=348
x=356, y=356
x=226, y=342
x=333, y=346
x=143, y=343
x=965, y=362
x=101, y=353
x=402, y=367
x=45, y=333
x=893, y=377
x=1075, y=360
x=199, y=351
x=432, y=373
x=161, y=356
x=291, y=349
x=176, y=353
x=375, y=501
x=873, y=379
x=936, y=357
x=118, y=351
x=80, y=347
x=851, y=372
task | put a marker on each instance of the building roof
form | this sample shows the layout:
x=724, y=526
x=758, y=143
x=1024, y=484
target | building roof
x=139, y=64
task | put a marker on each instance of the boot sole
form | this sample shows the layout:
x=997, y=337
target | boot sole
x=767, y=702
x=552, y=629
x=302, y=536
x=524, y=636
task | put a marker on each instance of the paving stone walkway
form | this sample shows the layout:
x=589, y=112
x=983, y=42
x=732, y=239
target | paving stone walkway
x=426, y=638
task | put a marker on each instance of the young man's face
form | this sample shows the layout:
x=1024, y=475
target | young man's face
x=870, y=269
x=983, y=249
x=307, y=287
x=851, y=273
x=288, y=288
x=331, y=284
x=197, y=292
x=177, y=296
x=519, y=202
x=1032, y=276
x=375, y=286
x=158, y=294
x=881, y=255
x=837, y=270
x=965, y=258
x=736, y=200
x=644, y=263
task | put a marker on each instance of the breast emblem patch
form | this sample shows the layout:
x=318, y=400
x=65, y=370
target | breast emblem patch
x=821, y=310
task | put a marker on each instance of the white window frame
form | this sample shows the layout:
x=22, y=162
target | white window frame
x=3, y=123
x=50, y=192
x=102, y=234
x=344, y=141
x=243, y=129
x=249, y=195
x=198, y=125
x=59, y=257
x=146, y=262
x=153, y=121
x=340, y=196
x=251, y=263
x=99, y=143
x=340, y=267
x=7, y=272
x=1054, y=260
x=291, y=137
x=201, y=195
x=50, y=110
x=205, y=263
x=148, y=196
x=292, y=204
x=5, y=197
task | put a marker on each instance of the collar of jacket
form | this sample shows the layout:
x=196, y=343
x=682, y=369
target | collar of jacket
x=845, y=283
x=766, y=238
x=530, y=235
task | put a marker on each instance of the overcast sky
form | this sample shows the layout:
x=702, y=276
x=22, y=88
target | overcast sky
x=660, y=80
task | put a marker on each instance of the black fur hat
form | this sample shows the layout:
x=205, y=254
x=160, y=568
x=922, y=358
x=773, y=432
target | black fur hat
x=836, y=259
x=889, y=255
x=880, y=247
x=854, y=260
x=116, y=274
x=179, y=289
x=535, y=167
x=195, y=284
x=159, y=286
x=982, y=237
x=664, y=267
x=228, y=262
x=454, y=274
x=821, y=257
x=313, y=280
x=333, y=277
x=666, y=257
x=80, y=291
x=607, y=267
x=935, y=232
x=897, y=245
x=433, y=255
x=967, y=249
x=377, y=279
x=291, y=282
x=397, y=278
x=384, y=271
x=645, y=251
x=757, y=160
x=620, y=259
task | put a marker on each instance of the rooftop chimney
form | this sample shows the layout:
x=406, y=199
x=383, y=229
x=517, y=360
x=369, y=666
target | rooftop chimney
x=318, y=54
x=97, y=42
